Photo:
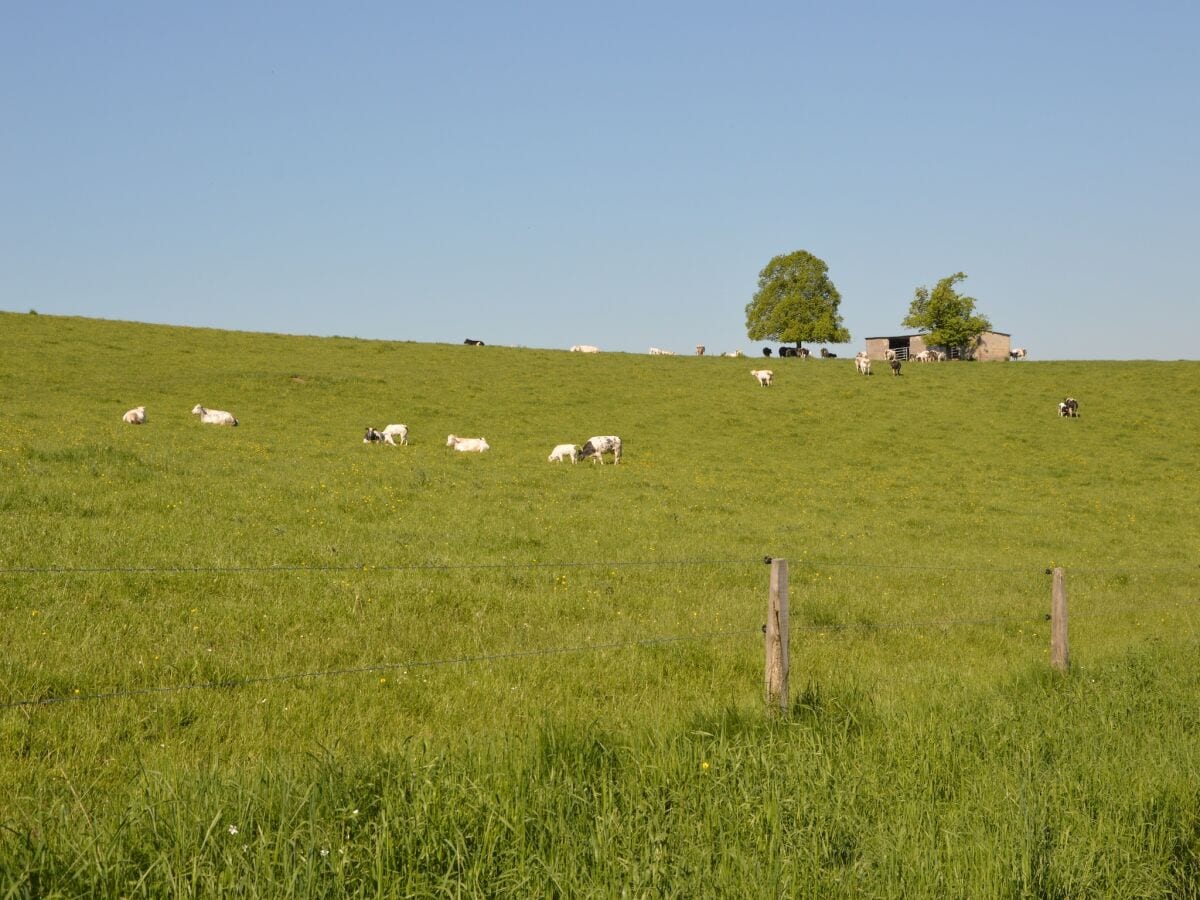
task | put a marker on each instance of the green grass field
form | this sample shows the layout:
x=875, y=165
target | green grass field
x=273, y=660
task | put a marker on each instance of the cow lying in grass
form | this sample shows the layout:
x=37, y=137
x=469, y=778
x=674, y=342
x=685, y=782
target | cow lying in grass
x=467, y=445
x=213, y=416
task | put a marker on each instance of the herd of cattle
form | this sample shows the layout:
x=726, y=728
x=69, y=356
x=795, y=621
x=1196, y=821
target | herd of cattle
x=596, y=447
x=593, y=448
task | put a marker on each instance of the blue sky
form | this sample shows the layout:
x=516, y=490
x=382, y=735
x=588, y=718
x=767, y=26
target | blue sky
x=542, y=175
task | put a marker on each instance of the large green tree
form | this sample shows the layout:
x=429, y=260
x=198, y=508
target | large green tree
x=796, y=302
x=948, y=316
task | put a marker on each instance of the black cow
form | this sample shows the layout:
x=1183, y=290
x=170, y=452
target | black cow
x=471, y=342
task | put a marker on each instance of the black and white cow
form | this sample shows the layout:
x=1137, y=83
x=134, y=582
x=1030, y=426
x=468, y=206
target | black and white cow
x=597, y=446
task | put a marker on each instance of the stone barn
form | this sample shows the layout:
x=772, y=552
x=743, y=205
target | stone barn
x=992, y=345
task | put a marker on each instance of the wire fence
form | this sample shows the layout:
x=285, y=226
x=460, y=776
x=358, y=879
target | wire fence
x=576, y=564
x=659, y=640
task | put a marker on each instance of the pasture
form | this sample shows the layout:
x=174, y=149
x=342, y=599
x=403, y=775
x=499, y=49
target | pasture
x=280, y=661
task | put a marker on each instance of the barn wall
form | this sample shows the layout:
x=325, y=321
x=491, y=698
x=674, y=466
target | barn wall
x=993, y=346
x=876, y=348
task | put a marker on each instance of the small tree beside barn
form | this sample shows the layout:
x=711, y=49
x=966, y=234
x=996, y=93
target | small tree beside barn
x=947, y=317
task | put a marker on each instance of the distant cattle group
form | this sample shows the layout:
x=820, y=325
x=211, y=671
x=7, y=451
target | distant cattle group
x=598, y=447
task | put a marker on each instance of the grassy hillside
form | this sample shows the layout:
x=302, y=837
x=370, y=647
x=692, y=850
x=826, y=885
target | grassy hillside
x=603, y=730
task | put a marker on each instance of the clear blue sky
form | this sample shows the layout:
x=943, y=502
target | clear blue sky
x=544, y=174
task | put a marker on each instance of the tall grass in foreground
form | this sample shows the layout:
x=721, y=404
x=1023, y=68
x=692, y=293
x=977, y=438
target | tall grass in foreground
x=1042, y=786
x=508, y=721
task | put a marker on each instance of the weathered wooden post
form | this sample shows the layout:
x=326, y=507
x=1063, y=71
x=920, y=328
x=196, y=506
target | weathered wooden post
x=1059, y=655
x=777, y=640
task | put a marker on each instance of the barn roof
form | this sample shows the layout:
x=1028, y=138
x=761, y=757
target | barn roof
x=889, y=337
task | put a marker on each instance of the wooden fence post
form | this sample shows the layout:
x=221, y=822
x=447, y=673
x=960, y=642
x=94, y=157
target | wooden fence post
x=777, y=639
x=1059, y=656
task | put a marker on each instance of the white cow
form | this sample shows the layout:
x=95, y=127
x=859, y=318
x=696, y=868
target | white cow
x=939, y=356
x=585, y=348
x=213, y=416
x=467, y=445
x=700, y=348
x=655, y=351
x=136, y=416
x=889, y=354
x=764, y=376
x=924, y=356
x=395, y=431
x=564, y=451
x=734, y=353
x=1019, y=353
x=597, y=446
x=862, y=362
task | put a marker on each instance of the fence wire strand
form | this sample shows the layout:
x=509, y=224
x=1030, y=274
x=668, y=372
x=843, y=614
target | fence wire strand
x=575, y=564
x=365, y=567
x=381, y=667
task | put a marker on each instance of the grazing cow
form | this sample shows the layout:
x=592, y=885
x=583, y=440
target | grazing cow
x=786, y=351
x=471, y=342
x=764, y=376
x=700, y=348
x=655, y=351
x=863, y=363
x=895, y=364
x=889, y=354
x=564, y=451
x=372, y=436
x=597, y=446
x=585, y=348
x=213, y=416
x=467, y=445
x=395, y=431
x=1019, y=353
x=825, y=354
x=924, y=356
x=734, y=353
x=136, y=416
x=1069, y=408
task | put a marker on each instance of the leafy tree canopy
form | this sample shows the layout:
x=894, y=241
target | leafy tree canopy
x=948, y=316
x=796, y=302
